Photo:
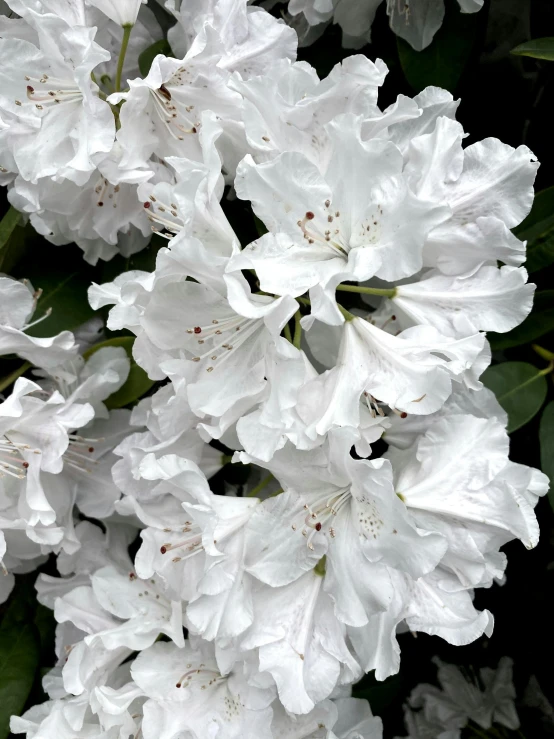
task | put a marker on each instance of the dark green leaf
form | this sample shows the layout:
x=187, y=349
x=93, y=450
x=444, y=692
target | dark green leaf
x=380, y=694
x=66, y=296
x=19, y=660
x=540, y=218
x=539, y=48
x=538, y=230
x=538, y=323
x=148, y=55
x=520, y=388
x=138, y=383
x=8, y=225
x=444, y=60
x=540, y=252
x=546, y=438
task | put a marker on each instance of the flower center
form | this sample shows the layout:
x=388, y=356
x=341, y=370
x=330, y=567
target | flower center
x=176, y=119
x=166, y=216
x=321, y=513
x=224, y=336
x=46, y=91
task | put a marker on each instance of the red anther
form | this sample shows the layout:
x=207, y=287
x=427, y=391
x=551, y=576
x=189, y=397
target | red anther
x=132, y=576
x=147, y=204
x=163, y=550
x=100, y=204
x=91, y=449
x=30, y=89
x=193, y=129
x=197, y=330
x=310, y=216
x=318, y=526
x=177, y=685
x=25, y=464
x=403, y=414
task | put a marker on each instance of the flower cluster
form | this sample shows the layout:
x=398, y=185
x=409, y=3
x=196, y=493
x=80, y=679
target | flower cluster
x=463, y=700
x=337, y=357
x=416, y=21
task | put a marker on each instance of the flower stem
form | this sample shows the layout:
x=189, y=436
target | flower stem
x=260, y=486
x=542, y=352
x=347, y=315
x=121, y=61
x=11, y=378
x=297, y=330
x=287, y=333
x=385, y=292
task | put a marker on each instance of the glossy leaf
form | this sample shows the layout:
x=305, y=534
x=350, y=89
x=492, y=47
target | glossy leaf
x=138, y=383
x=538, y=323
x=444, y=60
x=538, y=230
x=539, y=48
x=520, y=388
x=148, y=55
x=19, y=661
x=8, y=225
x=546, y=439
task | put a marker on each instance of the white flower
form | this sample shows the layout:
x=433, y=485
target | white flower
x=489, y=299
x=187, y=691
x=64, y=125
x=287, y=107
x=162, y=114
x=460, y=700
x=488, y=188
x=103, y=217
x=355, y=219
x=412, y=373
x=17, y=305
x=416, y=21
x=300, y=642
x=122, y=12
x=233, y=36
x=457, y=480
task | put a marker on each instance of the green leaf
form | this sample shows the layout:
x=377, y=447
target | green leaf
x=66, y=296
x=19, y=661
x=540, y=218
x=444, y=60
x=148, y=55
x=539, y=322
x=8, y=225
x=380, y=694
x=520, y=388
x=538, y=230
x=539, y=48
x=138, y=383
x=546, y=440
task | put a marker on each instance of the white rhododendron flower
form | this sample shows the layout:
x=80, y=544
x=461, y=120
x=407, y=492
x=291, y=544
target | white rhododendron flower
x=447, y=710
x=270, y=452
x=60, y=123
x=416, y=21
x=123, y=12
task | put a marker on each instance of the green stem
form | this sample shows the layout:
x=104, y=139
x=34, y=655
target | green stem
x=260, y=486
x=287, y=333
x=7, y=381
x=304, y=301
x=121, y=61
x=347, y=315
x=542, y=352
x=385, y=292
x=297, y=330
x=477, y=731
